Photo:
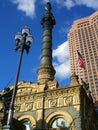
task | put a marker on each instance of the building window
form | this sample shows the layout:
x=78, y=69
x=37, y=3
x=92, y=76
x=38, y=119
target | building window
x=59, y=123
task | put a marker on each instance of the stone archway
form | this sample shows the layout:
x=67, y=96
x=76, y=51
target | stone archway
x=28, y=117
x=60, y=115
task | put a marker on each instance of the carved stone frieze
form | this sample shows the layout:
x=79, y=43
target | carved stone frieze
x=60, y=93
x=22, y=99
x=53, y=103
x=60, y=101
x=69, y=100
x=39, y=104
x=58, y=97
x=76, y=99
x=17, y=108
x=46, y=104
x=63, y=92
x=28, y=105
x=23, y=107
x=25, y=88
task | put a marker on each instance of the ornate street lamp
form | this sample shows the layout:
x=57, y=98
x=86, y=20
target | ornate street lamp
x=23, y=41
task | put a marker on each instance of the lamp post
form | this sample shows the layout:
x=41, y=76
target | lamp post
x=23, y=41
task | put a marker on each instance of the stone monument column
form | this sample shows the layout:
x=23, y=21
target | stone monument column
x=46, y=71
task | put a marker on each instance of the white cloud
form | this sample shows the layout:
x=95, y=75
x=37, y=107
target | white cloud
x=89, y=3
x=61, y=61
x=27, y=6
x=71, y=3
x=61, y=53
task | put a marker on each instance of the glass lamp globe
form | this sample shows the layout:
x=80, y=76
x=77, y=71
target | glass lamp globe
x=29, y=39
x=26, y=30
x=18, y=36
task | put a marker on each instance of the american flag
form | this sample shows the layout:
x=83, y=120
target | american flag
x=80, y=60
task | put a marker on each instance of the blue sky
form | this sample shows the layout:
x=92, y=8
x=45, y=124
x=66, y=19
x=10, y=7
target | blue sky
x=15, y=14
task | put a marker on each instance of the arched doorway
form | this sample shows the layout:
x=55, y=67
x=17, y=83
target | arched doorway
x=60, y=120
x=28, y=121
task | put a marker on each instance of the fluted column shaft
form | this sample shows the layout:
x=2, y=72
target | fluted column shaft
x=46, y=56
x=46, y=71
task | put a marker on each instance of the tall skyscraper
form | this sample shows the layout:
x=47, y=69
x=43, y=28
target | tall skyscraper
x=83, y=36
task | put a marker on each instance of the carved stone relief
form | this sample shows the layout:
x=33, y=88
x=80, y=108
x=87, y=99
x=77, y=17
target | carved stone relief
x=76, y=99
x=69, y=100
x=53, y=103
x=46, y=104
x=23, y=107
x=39, y=104
x=17, y=108
x=56, y=98
x=60, y=101
x=29, y=106
x=35, y=105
